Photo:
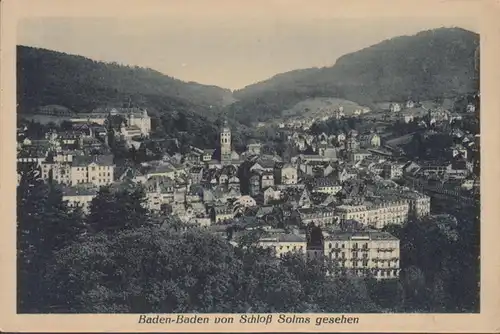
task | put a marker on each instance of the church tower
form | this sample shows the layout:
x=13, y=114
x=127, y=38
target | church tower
x=225, y=143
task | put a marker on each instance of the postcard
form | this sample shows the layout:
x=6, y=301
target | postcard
x=250, y=166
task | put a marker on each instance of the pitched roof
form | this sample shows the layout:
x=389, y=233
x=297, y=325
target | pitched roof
x=85, y=160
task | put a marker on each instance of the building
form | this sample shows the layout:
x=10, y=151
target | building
x=271, y=194
x=420, y=204
x=320, y=216
x=225, y=144
x=254, y=148
x=376, y=215
x=351, y=144
x=392, y=170
x=129, y=132
x=369, y=140
x=80, y=196
x=254, y=184
x=196, y=174
x=288, y=174
x=326, y=185
x=221, y=213
x=266, y=180
x=159, y=192
x=395, y=107
x=364, y=253
x=283, y=243
x=207, y=155
x=58, y=172
x=263, y=165
x=135, y=117
x=358, y=155
x=97, y=169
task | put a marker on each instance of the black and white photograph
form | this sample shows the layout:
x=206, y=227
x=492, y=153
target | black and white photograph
x=259, y=161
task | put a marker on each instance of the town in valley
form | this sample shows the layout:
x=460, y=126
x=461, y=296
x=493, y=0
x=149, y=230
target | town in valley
x=367, y=193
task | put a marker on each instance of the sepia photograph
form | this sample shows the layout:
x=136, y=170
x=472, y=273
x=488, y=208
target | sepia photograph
x=268, y=163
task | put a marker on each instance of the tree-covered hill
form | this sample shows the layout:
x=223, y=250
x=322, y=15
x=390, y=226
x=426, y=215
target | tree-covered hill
x=431, y=64
x=47, y=77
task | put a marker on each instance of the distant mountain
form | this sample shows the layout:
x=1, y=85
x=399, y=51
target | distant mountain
x=431, y=64
x=47, y=77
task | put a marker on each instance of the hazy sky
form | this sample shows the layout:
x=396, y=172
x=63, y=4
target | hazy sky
x=214, y=50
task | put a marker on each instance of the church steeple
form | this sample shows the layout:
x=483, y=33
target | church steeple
x=225, y=143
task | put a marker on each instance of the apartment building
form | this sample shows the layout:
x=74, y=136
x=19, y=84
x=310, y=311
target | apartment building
x=419, y=204
x=320, y=216
x=364, y=253
x=376, y=214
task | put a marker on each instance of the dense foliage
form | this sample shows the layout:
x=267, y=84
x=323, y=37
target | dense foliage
x=440, y=261
x=53, y=78
x=431, y=64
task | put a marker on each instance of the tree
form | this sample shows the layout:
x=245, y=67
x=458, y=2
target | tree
x=44, y=225
x=111, y=211
x=164, y=270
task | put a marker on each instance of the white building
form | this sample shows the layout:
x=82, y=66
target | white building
x=365, y=253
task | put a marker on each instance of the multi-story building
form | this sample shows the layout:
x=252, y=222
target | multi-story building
x=326, y=185
x=80, y=196
x=320, y=216
x=133, y=116
x=376, y=215
x=364, y=253
x=97, y=169
x=283, y=243
x=392, y=170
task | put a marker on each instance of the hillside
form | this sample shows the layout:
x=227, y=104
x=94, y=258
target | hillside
x=47, y=77
x=49, y=80
x=425, y=66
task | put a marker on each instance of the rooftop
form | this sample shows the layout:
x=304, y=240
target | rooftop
x=282, y=237
x=84, y=160
x=359, y=235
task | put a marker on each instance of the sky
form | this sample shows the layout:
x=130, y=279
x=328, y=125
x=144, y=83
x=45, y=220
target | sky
x=229, y=51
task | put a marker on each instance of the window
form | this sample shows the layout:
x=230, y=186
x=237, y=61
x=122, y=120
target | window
x=93, y=168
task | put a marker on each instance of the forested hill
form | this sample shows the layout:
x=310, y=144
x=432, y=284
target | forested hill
x=431, y=64
x=54, y=78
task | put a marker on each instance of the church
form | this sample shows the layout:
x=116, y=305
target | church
x=227, y=155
